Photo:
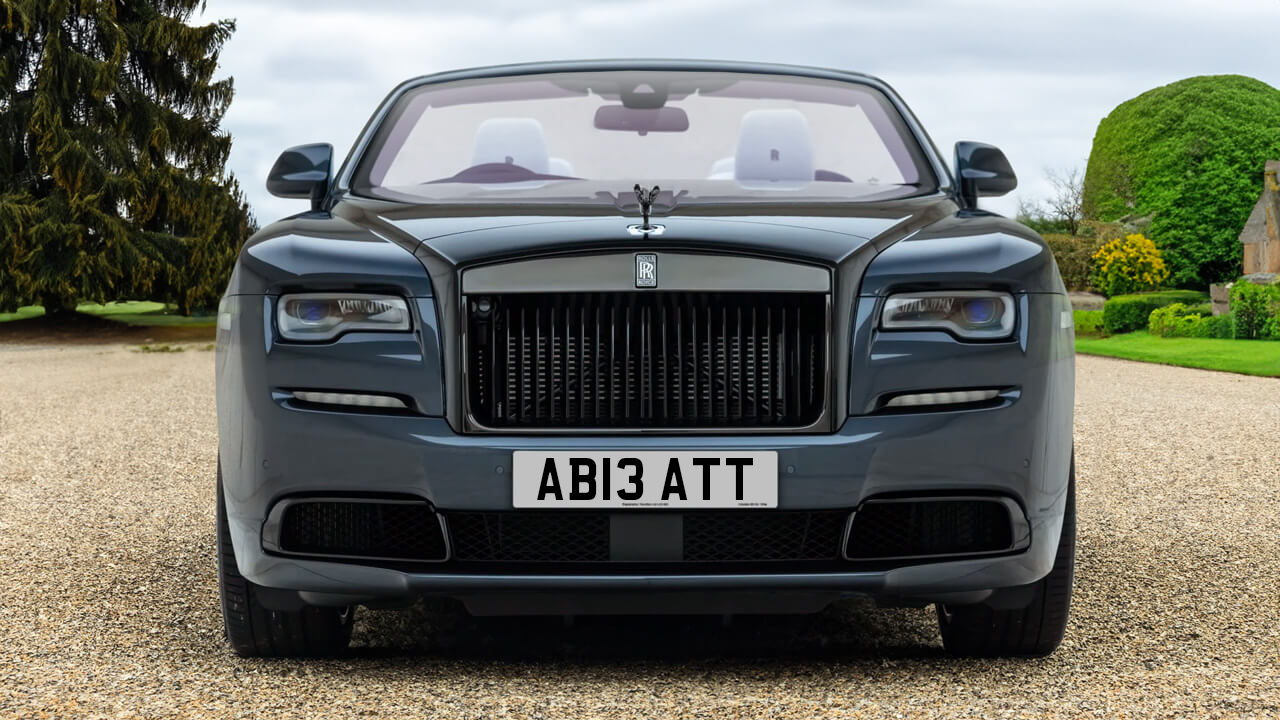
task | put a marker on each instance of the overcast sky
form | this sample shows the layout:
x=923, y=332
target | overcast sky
x=1031, y=76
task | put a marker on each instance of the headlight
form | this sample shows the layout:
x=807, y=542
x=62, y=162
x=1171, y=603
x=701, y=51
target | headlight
x=970, y=314
x=324, y=316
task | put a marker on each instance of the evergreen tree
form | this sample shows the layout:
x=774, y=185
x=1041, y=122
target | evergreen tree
x=112, y=164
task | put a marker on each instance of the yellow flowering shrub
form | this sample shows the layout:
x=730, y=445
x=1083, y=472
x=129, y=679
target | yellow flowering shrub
x=1128, y=265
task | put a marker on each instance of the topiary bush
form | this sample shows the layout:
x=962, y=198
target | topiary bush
x=1128, y=265
x=1189, y=156
x=1254, y=306
x=1126, y=313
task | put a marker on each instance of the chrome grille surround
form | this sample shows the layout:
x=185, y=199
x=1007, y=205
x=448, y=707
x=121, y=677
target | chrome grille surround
x=748, y=355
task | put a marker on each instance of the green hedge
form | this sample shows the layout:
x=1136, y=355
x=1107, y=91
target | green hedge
x=1126, y=313
x=1255, y=308
x=1178, y=320
x=1088, y=322
x=1218, y=326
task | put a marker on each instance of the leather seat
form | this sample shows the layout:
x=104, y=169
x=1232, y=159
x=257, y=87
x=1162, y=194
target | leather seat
x=516, y=141
x=774, y=146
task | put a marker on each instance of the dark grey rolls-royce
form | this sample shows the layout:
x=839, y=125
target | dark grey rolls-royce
x=645, y=337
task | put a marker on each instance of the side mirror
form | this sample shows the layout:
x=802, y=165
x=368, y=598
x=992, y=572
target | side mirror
x=982, y=171
x=302, y=172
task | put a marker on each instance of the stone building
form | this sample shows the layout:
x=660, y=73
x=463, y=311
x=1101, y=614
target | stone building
x=1261, y=234
x=1260, y=239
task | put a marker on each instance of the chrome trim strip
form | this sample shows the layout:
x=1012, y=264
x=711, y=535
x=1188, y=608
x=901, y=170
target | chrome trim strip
x=1020, y=528
x=272, y=526
x=615, y=272
x=377, y=401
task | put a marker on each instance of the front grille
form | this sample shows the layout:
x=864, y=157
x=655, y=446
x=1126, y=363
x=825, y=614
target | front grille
x=392, y=530
x=569, y=537
x=647, y=360
x=918, y=528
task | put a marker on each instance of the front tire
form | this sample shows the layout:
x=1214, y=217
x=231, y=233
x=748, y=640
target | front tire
x=256, y=631
x=1032, y=631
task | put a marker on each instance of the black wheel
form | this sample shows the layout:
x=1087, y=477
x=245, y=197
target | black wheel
x=1032, y=631
x=256, y=631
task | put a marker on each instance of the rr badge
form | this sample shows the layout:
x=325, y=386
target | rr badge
x=646, y=270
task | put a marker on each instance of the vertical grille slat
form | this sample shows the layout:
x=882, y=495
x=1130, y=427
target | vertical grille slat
x=612, y=365
x=767, y=378
x=538, y=361
x=571, y=358
x=742, y=371
x=798, y=347
x=584, y=357
x=693, y=357
x=709, y=362
x=753, y=384
x=647, y=360
x=512, y=384
x=664, y=372
x=628, y=362
x=724, y=391
x=526, y=369
x=782, y=349
x=680, y=360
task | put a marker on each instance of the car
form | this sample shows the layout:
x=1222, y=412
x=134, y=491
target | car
x=617, y=337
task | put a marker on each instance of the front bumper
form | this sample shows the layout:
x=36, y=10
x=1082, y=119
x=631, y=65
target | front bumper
x=271, y=449
x=317, y=452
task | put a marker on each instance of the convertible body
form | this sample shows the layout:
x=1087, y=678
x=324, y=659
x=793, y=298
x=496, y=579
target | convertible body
x=617, y=337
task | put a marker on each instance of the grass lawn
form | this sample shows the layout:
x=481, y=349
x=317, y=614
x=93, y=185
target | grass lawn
x=136, y=312
x=1250, y=357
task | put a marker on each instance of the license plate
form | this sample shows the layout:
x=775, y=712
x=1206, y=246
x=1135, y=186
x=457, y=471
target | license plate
x=645, y=479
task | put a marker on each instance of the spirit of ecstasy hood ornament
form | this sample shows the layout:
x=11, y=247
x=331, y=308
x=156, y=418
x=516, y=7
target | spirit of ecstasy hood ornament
x=646, y=198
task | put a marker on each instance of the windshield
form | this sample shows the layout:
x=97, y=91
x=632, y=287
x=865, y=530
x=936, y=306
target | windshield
x=591, y=136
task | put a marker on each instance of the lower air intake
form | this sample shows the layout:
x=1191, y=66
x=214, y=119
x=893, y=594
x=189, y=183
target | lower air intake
x=395, y=530
x=530, y=536
x=707, y=537
x=752, y=537
x=904, y=528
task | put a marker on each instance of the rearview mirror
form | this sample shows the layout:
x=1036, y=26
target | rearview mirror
x=302, y=172
x=982, y=171
x=641, y=120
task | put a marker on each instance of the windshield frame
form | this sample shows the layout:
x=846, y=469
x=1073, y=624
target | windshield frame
x=935, y=176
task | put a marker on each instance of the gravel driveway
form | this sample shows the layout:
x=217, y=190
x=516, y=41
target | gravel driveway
x=108, y=598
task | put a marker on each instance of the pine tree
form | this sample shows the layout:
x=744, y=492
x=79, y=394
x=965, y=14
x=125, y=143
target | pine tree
x=112, y=163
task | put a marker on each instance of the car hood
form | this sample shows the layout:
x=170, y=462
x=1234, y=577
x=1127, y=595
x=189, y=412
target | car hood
x=460, y=236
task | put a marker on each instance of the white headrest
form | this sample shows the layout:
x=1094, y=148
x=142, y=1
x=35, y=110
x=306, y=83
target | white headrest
x=515, y=141
x=722, y=169
x=774, y=145
x=560, y=166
